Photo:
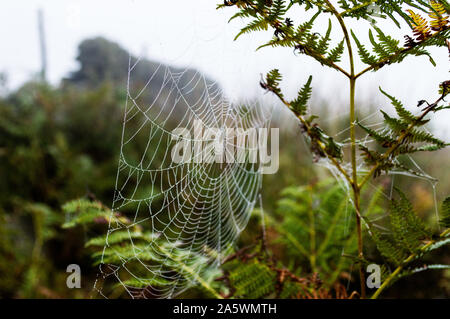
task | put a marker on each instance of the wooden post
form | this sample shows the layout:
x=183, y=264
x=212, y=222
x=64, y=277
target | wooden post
x=42, y=44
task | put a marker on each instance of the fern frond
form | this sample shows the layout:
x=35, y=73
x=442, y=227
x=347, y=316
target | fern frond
x=409, y=232
x=400, y=109
x=383, y=139
x=389, y=44
x=439, y=17
x=364, y=54
x=119, y=236
x=420, y=26
x=417, y=136
x=437, y=244
x=156, y=281
x=83, y=211
x=408, y=229
x=445, y=213
x=388, y=248
x=396, y=125
x=408, y=245
x=304, y=29
x=322, y=45
x=272, y=82
x=253, y=280
x=336, y=53
x=299, y=105
x=259, y=24
x=277, y=10
x=313, y=227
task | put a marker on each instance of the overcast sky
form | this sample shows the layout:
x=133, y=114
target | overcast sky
x=195, y=34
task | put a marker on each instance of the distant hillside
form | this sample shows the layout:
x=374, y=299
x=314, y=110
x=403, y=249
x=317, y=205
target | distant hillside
x=102, y=61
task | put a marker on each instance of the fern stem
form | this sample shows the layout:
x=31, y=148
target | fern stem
x=411, y=257
x=346, y=36
x=362, y=277
x=355, y=187
x=353, y=135
x=354, y=182
x=388, y=280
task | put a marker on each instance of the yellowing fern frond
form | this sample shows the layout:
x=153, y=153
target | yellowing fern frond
x=439, y=17
x=420, y=26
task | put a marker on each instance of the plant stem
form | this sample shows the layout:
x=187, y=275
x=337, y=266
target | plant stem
x=354, y=183
x=355, y=188
x=353, y=135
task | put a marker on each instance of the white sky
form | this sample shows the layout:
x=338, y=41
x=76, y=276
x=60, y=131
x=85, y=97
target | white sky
x=195, y=34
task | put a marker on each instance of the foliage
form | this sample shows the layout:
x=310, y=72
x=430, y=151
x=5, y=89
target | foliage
x=56, y=144
x=316, y=230
x=249, y=273
x=60, y=143
x=311, y=246
x=311, y=228
x=321, y=145
x=402, y=135
x=445, y=221
x=133, y=246
x=409, y=240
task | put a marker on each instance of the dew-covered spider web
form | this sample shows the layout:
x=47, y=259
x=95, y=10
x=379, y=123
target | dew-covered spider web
x=181, y=216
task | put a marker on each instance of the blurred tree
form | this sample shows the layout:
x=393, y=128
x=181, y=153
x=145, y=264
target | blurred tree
x=100, y=60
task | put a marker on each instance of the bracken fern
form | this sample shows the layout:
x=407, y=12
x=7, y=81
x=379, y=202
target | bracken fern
x=403, y=134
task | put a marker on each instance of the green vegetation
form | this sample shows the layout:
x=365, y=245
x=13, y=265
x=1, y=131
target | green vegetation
x=59, y=155
x=402, y=134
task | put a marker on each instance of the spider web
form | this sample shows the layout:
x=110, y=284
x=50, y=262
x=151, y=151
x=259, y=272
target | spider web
x=193, y=211
x=198, y=208
x=412, y=170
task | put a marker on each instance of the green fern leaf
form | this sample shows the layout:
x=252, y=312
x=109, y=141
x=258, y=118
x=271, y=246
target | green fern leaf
x=299, y=105
x=400, y=109
x=336, y=53
x=364, y=54
x=445, y=213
